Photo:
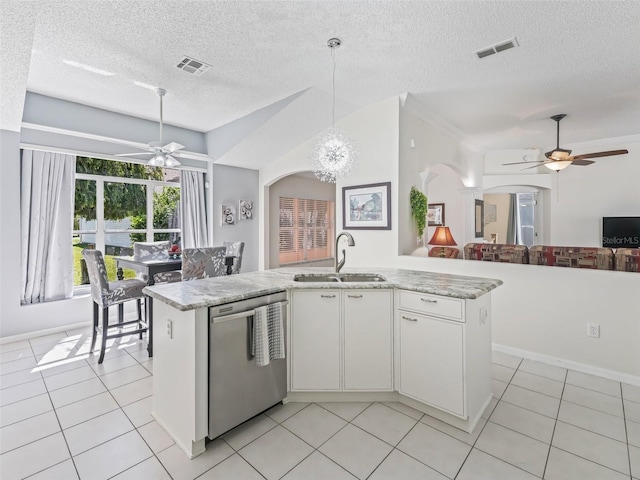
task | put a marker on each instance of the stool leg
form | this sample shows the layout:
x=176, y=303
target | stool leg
x=94, y=332
x=105, y=328
x=139, y=305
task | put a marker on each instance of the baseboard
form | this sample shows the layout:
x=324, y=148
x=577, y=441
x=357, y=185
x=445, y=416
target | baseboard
x=196, y=448
x=570, y=364
x=41, y=333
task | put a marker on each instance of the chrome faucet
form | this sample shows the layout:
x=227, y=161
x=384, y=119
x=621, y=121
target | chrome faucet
x=351, y=243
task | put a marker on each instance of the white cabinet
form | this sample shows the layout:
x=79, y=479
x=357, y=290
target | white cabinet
x=445, y=352
x=315, y=340
x=368, y=345
x=341, y=340
x=431, y=361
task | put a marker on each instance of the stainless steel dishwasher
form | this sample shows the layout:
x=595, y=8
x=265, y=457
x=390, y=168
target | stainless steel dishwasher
x=238, y=388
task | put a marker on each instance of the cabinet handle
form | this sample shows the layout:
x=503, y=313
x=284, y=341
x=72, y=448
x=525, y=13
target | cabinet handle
x=410, y=319
x=428, y=300
x=327, y=296
x=354, y=296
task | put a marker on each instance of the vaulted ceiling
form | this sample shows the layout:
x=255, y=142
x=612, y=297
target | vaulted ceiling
x=271, y=68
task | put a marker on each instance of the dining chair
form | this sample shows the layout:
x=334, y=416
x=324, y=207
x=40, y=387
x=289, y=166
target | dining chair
x=106, y=294
x=155, y=251
x=203, y=262
x=235, y=249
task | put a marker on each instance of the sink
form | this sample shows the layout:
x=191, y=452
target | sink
x=362, y=277
x=315, y=277
x=334, y=278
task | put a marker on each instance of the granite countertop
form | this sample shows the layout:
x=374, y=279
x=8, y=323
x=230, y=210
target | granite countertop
x=209, y=292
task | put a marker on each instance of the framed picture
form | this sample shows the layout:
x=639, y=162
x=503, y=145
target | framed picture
x=479, y=218
x=435, y=215
x=367, y=207
x=245, y=207
x=228, y=215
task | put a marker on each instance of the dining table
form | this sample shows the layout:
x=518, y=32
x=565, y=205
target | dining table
x=149, y=268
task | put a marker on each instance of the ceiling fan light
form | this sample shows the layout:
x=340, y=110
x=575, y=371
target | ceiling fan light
x=558, y=154
x=558, y=165
x=158, y=160
x=171, y=162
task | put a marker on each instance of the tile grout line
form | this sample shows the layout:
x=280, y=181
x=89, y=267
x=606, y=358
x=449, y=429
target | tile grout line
x=555, y=424
x=626, y=432
x=55, y=412
x=473, y=445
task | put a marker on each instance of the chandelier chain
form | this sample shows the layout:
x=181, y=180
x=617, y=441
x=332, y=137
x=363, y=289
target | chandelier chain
x=333, y=86
x=334, y=153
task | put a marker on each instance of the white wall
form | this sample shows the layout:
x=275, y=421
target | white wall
x=294, y=186
x=375, y=129
x=579, y=196
x=446, y=188
x=434, y=150
x=231, y=184
x=583, y=195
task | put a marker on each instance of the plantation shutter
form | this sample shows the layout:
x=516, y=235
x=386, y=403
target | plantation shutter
x=306, y=229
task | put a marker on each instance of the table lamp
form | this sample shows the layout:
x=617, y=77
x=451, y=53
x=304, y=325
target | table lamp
x=442, y=238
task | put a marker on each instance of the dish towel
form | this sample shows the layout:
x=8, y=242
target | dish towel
x=268, y=334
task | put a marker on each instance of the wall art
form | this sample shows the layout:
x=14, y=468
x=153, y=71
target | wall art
x=228, y=215
x=245, y=209
x=367, y=207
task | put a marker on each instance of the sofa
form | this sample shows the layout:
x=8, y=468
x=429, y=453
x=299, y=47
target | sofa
x=595, y=258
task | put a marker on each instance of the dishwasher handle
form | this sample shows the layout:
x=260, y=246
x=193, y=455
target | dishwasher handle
x=235, y=316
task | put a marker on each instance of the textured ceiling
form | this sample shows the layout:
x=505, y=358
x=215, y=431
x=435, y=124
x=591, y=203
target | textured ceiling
x=579, y=58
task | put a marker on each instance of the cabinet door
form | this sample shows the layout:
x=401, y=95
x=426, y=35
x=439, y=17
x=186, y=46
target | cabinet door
x=315, y=340
x=368, y=340
x=431, y=361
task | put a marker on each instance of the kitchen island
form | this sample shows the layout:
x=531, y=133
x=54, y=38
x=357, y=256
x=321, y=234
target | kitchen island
x=427, y=336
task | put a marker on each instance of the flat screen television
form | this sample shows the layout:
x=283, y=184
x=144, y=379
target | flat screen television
x=621, y=232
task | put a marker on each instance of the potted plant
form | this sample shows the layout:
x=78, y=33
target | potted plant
x=418, y=201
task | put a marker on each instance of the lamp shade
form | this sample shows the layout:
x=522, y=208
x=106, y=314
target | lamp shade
x=442, y=237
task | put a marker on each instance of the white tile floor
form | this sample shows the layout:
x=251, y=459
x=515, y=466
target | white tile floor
x=63, y=416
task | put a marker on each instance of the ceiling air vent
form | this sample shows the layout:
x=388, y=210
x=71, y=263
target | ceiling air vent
x=497, y=48
x=193, y=66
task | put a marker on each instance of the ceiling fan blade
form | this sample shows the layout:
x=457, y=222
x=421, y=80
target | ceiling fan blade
x=172, y=147
x=521, y=163
x=536, y=166
x=132, y=154
x=609, y=153
x=582, y=162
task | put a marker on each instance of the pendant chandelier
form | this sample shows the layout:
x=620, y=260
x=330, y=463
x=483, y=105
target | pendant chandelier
x=334, y=153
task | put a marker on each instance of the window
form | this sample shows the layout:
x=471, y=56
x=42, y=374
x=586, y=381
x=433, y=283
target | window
x=525, y=231
x=306, y=229
x=119, y=203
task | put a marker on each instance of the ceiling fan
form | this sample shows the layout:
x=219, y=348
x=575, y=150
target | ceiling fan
x=163, y=155
x=560, y=158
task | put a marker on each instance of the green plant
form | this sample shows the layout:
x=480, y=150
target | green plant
x=418, y=201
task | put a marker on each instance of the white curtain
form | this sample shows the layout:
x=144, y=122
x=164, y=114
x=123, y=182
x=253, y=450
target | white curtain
x=193, y=212
x=46, y=223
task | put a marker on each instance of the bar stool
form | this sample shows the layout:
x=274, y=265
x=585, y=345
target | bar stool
x=106, y=294
x=203, y=262
x=235, y=249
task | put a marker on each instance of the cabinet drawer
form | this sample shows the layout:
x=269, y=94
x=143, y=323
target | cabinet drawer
x=432, y=305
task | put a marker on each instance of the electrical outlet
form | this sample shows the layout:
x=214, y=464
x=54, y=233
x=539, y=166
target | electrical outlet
x=169, y=328
x=593, y=330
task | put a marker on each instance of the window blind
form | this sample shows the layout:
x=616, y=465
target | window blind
x=306, y=229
